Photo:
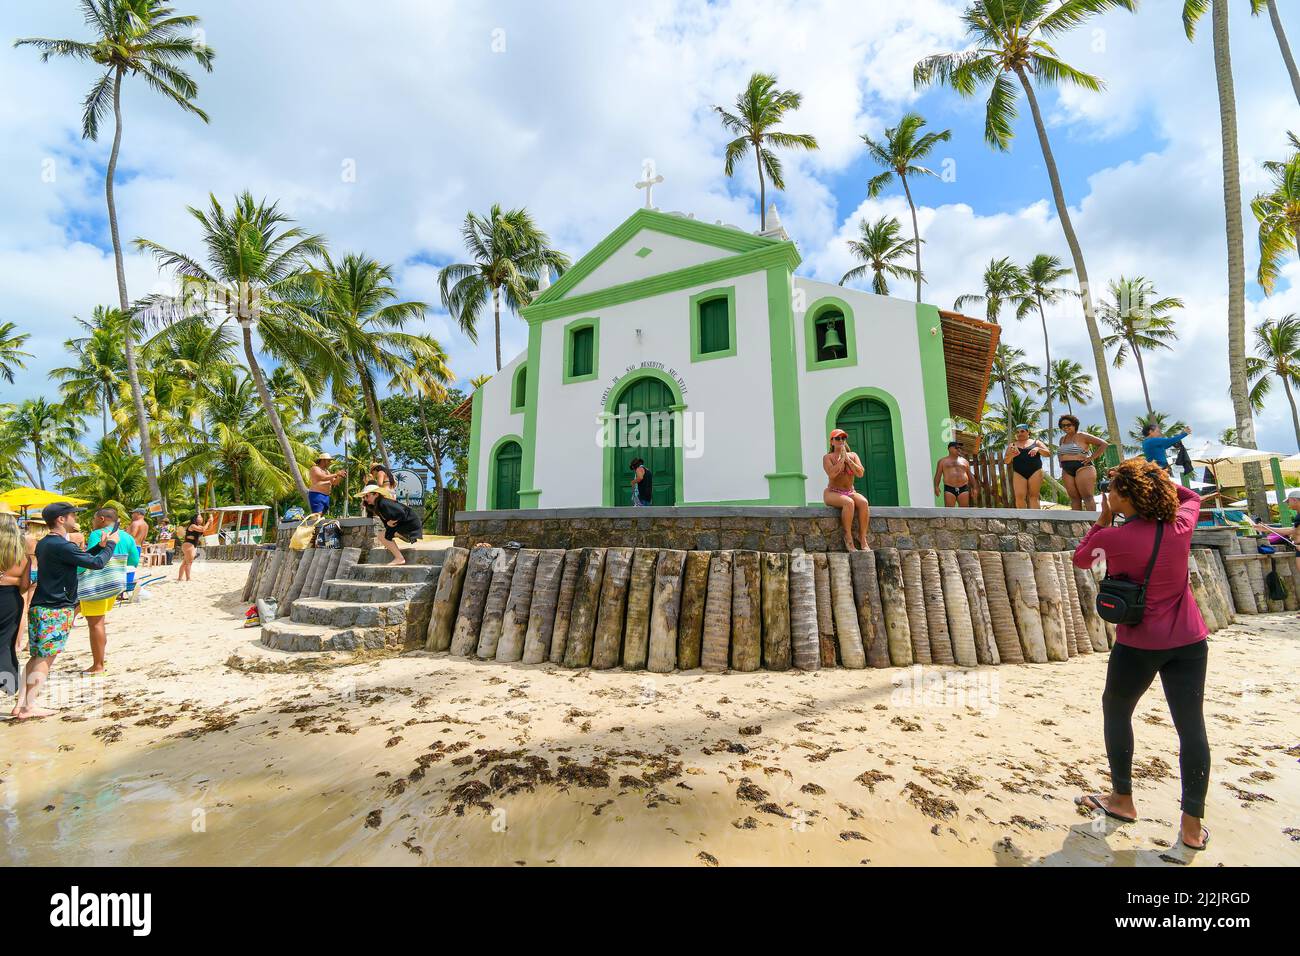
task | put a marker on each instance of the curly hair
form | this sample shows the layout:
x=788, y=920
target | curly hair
x=1147, y=485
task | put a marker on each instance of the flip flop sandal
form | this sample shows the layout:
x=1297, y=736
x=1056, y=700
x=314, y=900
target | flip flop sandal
x=1092, y=801
x=1204, y=842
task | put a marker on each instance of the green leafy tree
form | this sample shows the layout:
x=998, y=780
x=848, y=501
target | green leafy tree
x=132, y=38
x=1277, y=356
x=110, y=473
x=1015, y=375
x=1010, y=44
x=427, y=385
x=901, y=153
x=760, y=109
x=509, y=253
x=1139, y=320
x=50, y=432
x=256, y=274
x=97, y=377
x=882, y=250
x=425, y=432
x=1278, y=213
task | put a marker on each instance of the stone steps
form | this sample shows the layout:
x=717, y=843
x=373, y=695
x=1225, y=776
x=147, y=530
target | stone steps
x=346, y=589
x=373, y=606
x=285, y=635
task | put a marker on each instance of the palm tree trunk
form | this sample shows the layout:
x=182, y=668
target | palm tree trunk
x=1295, y=418
x=1142, y=374
x=273, y=416
x=40, y=467
x=916, y=234
x=27, y=470
x=1080, y=269
x=372, y=410
x=437, y=466
x=1047, y=379
x=1237, y=383
x=137, y=397
x=496, y=320
x=762, y=190
x=1285, y=47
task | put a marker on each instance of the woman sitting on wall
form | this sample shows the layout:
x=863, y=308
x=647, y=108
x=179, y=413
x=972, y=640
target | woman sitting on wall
x=842, y=466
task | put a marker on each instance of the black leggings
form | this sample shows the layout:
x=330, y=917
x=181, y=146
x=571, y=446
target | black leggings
x=1182, y=675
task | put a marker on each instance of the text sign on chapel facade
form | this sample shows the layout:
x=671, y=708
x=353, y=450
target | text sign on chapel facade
x=632, y=369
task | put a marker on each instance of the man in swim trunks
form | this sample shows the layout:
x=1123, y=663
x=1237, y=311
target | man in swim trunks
x=959, y=482
x=321, y=482
x=49, y=620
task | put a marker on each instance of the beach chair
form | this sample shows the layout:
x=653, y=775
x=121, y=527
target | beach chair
x=135, y=585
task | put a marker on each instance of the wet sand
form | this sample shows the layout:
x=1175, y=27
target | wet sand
x=208, y=749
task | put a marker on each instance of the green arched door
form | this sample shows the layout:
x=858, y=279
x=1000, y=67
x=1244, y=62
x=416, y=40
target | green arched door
x=871, y=435
x=643, y=429
x=505, y=475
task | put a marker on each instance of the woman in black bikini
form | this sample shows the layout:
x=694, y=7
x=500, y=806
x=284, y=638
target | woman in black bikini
x=189, y=545
x=1078, y=452
x=1025, y=456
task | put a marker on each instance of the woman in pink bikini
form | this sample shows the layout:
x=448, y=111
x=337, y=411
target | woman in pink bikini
x=842, y=467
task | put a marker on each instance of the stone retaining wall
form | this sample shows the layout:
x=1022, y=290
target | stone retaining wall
x=772, y=529
x=360, y=533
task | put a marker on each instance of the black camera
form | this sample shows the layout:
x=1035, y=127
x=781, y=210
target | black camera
x=1103, y=485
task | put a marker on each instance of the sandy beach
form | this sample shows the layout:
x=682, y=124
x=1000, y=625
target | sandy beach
x=202, y=747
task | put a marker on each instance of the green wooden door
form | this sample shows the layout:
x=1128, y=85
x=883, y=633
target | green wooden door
x=871, y=435
x=644, y=430
x=505, y=491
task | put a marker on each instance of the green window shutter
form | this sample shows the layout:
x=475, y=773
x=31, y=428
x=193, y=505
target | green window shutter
x=583, y=342
x=714, y=332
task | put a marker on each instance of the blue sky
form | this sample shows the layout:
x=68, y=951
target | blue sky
x=450, y=106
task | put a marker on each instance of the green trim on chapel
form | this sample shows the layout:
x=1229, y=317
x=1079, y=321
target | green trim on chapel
x=519, y=396
x=529, y=496
x=824, y=304
x=607, y=447
x=785, y=484
x=593, y=323
x=720, y=237
x=475, y=436
x=724, y=292
x=895, y=427
x=934, y=383
x=781, y=255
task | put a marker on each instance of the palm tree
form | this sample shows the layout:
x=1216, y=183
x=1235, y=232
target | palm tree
x=364, y=323
x=1138, y=320
x=11, y=350
x=1277, y=347
x=882, y=250
x=1256, y=7
x=900, y=154
x=51, y=432
x=1014, y=374
x=1278, y=213
x=1003, y=283
x=1001, y=419
x=509, y=254
x=109, y=474
x=255, y=274
x=1238, y=383
x=760, y=108
x=478, y=381
x=1011, y=41
x=133, y=38
x=1070, y=383
x=97, y=376
x=1040, y=290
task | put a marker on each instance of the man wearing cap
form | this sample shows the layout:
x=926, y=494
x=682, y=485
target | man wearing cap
x=397, y=518
x=49, y=619
x=321, y=482
x=959, y=482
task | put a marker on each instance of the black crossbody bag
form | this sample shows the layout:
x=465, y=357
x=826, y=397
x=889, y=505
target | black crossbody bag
x=1120, y=601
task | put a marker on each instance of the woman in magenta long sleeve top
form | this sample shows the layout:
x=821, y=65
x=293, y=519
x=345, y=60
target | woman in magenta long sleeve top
x=1169, y=641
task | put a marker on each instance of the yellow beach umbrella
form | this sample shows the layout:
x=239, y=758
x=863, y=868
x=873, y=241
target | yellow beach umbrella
x=36, y=498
